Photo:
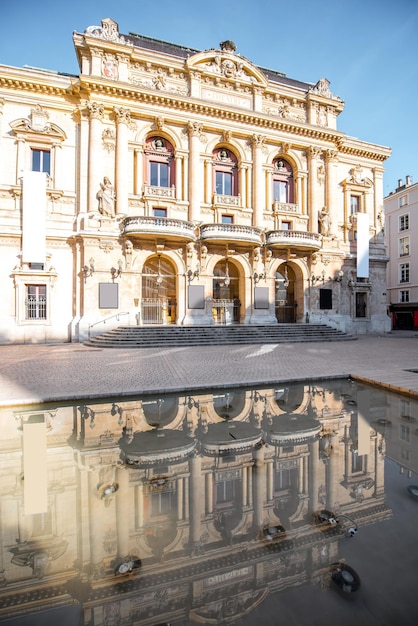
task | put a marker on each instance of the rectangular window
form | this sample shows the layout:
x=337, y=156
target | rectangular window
x=354, y=204
x=286, y=226
x=404, y=432
x=280, y=191
x=41, y=161
x=159, y=174
x=325, y=298
x=404, y=273
x=403, y=200
x=225, y=491
x=405, y=408
x=35, y=302
x=361, y=304
x=227, y=219
x=161, y=503
x=224, y=183
x=404, y=246
x=404, y=222
x=404, y=296
x=160, y=212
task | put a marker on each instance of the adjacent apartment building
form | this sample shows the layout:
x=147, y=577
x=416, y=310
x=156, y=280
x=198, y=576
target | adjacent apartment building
x=165, y=185
x=401, y=218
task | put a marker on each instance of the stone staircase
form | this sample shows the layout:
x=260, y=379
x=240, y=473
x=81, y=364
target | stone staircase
x=175, y=336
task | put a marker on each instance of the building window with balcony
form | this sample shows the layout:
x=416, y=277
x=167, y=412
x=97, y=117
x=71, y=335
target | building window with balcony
x=227, y=219
x=41, y=161
x=404, y=295
x=159, y=161
x=404, y=273
x=404, y=246
x=404, y=222
x=225, y=172
x=35, y=302
x=286, y=226
x=283, y=187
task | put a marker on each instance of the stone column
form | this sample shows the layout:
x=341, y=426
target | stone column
x=123, y=119
x=209, y=493
x=196, y=498
x=122, y=513
x=208, y=181
x=96, y=113
x=315, y=203
x=139, y=172
x=331, y=189
x=260, y=487
x=313, y=464
x=179, y=177
x=195, y=175
x=243, y=185
x=258, y=182
x=20, y=159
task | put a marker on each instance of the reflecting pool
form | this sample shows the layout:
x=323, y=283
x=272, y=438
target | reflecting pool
x=291, y=505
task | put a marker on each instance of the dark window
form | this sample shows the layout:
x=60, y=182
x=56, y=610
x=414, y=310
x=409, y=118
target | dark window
x=361, y=304
x=325, y=298
x=36, y=302
x=41, y=161
x=227, y=219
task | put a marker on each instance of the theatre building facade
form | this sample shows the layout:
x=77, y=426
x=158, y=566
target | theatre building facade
x=164, y=185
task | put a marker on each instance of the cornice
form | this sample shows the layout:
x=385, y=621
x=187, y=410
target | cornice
x=95, y=88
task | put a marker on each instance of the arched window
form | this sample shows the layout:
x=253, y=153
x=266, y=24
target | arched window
x=225, y=167
x=283, y=186
x=159, y=155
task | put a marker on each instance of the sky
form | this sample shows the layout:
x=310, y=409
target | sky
x=367, y=49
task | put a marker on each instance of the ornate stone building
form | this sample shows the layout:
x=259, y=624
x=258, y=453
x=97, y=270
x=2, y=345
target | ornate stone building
x=163, y=185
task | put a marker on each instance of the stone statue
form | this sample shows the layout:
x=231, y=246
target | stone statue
x=324, y=222
x=106, y=198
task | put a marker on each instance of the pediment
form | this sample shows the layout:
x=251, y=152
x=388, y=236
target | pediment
x=226, y=64
x=37, y=123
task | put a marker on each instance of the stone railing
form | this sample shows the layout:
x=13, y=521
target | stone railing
x=162, y=225
x=232, y=232
x=294, y=237
x=160, y=192
x=223, y=200
x=285, y=207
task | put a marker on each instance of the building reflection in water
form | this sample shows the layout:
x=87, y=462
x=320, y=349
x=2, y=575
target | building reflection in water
x=190, y=508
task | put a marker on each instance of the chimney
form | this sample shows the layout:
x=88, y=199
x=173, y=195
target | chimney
x=399, y=182
x=408, y=181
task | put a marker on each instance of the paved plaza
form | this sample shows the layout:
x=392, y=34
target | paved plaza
x=41, y=373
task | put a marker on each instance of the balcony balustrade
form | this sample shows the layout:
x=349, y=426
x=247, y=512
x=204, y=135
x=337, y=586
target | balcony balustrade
x=152, y=191
x=230, y=232
x=285, y=207
x=166, y=228
x=298, y=241
x=224, y=200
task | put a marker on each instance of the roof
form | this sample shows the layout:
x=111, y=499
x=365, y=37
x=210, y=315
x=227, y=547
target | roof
x=148, y=43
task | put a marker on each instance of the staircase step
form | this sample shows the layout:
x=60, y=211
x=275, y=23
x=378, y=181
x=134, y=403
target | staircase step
x=175, y=336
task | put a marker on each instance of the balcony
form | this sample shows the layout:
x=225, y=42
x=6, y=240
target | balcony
x=217, y=233
x=162, y=193
x=299, y=242
x=162, y=227
x=285, y=207
x=226, y=201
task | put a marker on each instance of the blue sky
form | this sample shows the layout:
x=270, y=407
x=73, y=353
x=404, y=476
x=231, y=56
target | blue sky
x=368, y=49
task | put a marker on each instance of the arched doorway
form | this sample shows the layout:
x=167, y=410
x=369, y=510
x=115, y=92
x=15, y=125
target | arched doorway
x=225, y=291
x=158, y=304
x=284, y=295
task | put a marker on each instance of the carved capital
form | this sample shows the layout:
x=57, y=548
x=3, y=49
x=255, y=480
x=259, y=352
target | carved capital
x=258, y=140
x=123, y=116
x=95, y=110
